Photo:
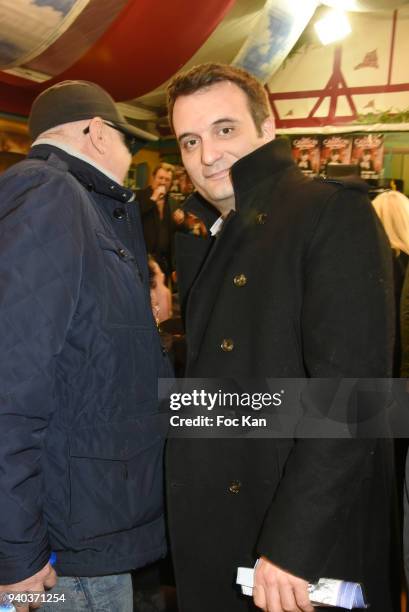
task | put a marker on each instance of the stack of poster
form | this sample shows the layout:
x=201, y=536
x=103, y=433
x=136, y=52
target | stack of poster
x=306, y=154
x=312, y=154
x=367, y=152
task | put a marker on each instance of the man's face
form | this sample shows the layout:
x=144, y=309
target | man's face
x=162, y=177
x=214, y=128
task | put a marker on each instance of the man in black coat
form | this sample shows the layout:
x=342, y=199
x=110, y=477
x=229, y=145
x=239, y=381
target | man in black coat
x=294, y=281
x=158, y=220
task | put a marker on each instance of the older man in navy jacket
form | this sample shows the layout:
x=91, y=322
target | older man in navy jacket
x=81, y=449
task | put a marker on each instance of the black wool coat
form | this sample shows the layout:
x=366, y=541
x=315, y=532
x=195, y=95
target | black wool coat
x=317, y=302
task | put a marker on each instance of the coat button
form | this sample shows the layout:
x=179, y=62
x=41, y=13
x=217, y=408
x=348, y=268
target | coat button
x=261, y=218
x=240, y=280
x=121, y=253
x=119, y=214
x=235, y=486
x=227, y=345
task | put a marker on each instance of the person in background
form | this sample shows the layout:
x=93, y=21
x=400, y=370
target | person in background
x=392, y=207
x=186, y=186
x=159, y=222
x=161, y=297
x=188, y=223
x=81, y=437
x=294, y=281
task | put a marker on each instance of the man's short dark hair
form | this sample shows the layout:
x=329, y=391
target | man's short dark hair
x=205, y=75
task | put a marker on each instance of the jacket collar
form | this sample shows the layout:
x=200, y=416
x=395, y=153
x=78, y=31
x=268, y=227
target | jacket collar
x=89, y=176
x=247, y=174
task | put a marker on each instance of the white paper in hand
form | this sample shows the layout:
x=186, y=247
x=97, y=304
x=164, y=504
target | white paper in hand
x=326, y=592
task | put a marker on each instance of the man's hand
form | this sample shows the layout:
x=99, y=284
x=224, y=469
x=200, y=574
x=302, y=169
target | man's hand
x=158, y=193
x=178, y=216
x=277, y=591
x=46, y=578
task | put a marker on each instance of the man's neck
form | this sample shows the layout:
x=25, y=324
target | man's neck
x=75, y=153
x=225, y=206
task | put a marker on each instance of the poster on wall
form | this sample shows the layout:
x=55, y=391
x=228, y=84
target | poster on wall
x=367, y=152
x=335, y=150
x=306, y=153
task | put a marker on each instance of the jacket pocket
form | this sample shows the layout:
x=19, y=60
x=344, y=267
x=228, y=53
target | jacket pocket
x=125, y=296
x=116, y=480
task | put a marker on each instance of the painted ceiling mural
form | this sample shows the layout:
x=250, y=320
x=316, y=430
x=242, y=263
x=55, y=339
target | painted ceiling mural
x=278, y=29
x=39, y=39
x=48, y=19
x=127, y=46
x=132, y=48
x=338, y=84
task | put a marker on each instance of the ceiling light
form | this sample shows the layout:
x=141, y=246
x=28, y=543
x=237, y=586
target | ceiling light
x=332, y=27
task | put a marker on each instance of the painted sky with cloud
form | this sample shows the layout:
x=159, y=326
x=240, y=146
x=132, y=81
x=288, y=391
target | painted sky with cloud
x=64, y=6
x=28, y=23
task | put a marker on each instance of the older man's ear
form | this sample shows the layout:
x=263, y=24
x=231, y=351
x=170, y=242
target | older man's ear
x=98, y=135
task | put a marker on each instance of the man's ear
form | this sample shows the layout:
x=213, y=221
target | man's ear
x=97, y=135
x=268, y=128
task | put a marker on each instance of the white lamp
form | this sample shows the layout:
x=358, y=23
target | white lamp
x=332, y=27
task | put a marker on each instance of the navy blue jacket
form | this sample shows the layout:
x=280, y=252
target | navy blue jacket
x=81, y=440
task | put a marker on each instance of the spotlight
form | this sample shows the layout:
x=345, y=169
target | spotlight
x=332, y=27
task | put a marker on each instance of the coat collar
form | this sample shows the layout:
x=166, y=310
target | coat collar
x=89, y=176
x=263, y=163
x=247, y=174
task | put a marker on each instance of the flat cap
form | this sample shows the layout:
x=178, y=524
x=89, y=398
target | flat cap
x=75, y=101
